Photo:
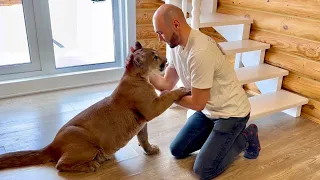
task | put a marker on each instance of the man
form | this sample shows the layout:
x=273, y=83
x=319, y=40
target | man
x=222, y=107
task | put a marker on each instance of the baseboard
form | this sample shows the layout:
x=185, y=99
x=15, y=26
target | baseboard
x=39, y=84
x=309, y=117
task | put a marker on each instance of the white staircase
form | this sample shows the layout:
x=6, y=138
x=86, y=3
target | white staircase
x=249, y=65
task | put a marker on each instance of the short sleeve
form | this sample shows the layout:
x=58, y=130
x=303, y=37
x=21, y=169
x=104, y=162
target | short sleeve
x=171, y=56
x=202, y=65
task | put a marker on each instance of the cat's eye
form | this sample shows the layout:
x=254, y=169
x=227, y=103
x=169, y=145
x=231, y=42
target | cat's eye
x=155, y=57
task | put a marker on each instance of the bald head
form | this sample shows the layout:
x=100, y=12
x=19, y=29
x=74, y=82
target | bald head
x=167, y=13
x=170, y=25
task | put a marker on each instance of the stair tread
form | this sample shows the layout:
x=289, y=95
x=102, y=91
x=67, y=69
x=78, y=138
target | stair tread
x=234, y=47
x=267, y=104
x=218, y=19
x=259, y=72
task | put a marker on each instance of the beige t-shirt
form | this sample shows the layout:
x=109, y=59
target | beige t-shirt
x=202, y=65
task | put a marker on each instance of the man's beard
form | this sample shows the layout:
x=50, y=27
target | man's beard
x=174, y=41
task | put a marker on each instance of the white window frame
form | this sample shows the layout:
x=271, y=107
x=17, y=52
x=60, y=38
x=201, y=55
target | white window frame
x=49, y=78
x=30, y=25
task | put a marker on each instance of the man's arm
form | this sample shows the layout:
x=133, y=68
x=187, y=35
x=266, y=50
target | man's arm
x=167, y=82
x=197, y=100
x=202, y=72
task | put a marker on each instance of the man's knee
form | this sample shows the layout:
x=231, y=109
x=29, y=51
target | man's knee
x=176, y=151
x=205, y=173
x=205, y=169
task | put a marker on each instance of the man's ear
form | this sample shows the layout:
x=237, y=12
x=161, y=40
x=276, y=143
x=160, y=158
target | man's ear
x=176, y=24
x=138, y=45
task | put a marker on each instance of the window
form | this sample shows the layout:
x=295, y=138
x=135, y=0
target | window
x=55, y=37
x=18, y=48
x=82, y=32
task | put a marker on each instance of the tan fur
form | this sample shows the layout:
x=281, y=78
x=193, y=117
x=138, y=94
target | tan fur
x=96, y=133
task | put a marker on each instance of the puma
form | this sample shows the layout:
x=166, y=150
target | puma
x=96, y=133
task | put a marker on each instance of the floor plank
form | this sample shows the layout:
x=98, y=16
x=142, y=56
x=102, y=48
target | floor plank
x=290, y=146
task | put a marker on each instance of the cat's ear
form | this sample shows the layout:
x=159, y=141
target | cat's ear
x=131, y=49
x=138, y=59
x=138, y=45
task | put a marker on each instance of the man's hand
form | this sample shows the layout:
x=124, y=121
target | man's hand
x=167, y=82
x=197, y=101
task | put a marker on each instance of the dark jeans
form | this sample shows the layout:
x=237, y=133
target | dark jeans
x=220, y=140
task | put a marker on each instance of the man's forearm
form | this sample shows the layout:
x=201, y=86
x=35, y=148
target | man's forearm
x=159, y=82
x=167, y=82
x=187, y=102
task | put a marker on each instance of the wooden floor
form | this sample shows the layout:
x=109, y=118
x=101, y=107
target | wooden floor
x=290, y=146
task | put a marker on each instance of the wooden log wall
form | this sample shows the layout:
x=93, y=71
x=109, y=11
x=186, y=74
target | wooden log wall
x=9, y=2
x=145, y=33
x=292, y=28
